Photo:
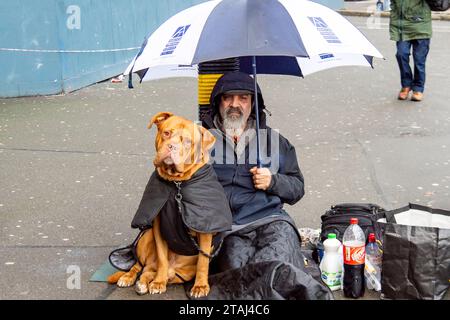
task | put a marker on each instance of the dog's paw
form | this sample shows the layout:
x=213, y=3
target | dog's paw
x=157, y=287
x=141, y=288
x=199, y=291
x=126, y=281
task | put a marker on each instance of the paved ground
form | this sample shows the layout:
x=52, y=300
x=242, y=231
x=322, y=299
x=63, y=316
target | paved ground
x=73, y=167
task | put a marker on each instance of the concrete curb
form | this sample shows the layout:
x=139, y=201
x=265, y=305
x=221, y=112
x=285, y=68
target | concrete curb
x=359, y=13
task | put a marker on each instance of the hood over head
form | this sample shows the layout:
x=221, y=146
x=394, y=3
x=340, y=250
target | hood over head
x=236, y=82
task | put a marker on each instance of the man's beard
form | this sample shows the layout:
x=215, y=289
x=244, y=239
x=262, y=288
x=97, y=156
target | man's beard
x=233, y=124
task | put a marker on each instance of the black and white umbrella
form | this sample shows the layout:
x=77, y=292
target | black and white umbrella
x=294, y=37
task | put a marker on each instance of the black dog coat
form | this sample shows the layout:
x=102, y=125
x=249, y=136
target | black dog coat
x=204, y=209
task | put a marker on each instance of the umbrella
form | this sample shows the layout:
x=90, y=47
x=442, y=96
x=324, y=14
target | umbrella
x=294, y=37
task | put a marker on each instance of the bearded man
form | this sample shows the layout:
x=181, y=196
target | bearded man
x=263, y=249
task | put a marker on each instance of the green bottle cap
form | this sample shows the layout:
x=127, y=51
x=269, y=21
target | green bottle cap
x=332, y=236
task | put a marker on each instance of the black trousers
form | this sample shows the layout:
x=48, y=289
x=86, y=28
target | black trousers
x=265, y=263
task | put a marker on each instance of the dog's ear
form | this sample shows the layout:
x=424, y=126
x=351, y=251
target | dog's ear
x=208, y=139
x=159, y=118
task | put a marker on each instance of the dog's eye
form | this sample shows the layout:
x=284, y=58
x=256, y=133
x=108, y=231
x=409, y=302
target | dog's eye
x=166, y=134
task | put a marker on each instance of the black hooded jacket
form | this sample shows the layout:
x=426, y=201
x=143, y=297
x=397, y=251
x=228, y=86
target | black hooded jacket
x=232, y=166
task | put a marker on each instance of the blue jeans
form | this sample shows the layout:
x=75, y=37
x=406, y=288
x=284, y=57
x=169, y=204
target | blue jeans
x=420, y=50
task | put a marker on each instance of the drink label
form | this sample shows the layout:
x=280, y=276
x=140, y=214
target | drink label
x=354, y=255
x=332, y=279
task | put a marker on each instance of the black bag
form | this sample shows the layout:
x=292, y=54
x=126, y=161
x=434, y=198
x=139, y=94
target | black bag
x=438, y=5
x=416, y=253
x=337, y=219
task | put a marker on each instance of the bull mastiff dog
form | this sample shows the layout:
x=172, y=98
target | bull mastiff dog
x=182, y=213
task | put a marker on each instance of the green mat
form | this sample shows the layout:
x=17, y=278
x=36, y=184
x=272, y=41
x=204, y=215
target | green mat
x=105, y=270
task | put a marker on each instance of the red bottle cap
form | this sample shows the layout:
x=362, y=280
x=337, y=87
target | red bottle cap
x=354, y=221
x=372, y=237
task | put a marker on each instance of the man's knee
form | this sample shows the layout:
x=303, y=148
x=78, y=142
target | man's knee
x=403, y=50
x=402, y=55
x=421, y=50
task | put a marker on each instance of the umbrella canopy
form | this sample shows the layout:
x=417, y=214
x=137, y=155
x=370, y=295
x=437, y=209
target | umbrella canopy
x=294, y=37
x=293, y=66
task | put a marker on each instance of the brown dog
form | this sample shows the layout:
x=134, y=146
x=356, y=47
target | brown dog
x=182, y=149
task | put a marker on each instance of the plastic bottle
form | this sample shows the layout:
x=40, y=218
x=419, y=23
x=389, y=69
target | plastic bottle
x=372, y=269
x=331, y=264
x=354, y=243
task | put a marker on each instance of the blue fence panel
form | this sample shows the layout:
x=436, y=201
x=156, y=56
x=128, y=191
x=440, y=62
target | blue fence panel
x=25, y=27
x=54, y=46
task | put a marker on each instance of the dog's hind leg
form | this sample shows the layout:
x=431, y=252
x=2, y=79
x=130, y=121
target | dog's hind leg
x=181, y=268
x=125, y=279
x=112, y=279
x=183, y=274
x=159, y=284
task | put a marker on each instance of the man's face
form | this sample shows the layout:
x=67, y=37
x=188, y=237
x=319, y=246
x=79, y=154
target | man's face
x=235, y=110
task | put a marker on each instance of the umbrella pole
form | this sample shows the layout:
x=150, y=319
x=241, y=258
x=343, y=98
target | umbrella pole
x=258, y=155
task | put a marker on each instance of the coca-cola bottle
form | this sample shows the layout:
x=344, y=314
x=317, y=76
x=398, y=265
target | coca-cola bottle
x=354, y=243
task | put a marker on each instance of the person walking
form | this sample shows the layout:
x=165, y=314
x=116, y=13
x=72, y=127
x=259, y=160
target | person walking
x=410, y=27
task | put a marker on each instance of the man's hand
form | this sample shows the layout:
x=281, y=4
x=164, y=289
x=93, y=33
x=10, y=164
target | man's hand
x=261, y=177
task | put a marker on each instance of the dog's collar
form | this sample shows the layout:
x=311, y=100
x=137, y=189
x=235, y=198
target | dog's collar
x=198, y=175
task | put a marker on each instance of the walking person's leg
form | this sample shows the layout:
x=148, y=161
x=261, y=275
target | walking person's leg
x=421, y=48
x=406, y=75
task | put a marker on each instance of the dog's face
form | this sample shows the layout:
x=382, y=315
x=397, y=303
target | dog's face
x=182, y=147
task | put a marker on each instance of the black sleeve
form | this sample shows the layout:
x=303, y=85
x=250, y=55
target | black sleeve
x=288, y=183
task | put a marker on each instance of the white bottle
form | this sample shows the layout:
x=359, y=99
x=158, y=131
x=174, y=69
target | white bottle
x=331, y=264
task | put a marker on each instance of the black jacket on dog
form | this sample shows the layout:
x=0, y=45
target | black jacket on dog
x=204, y=209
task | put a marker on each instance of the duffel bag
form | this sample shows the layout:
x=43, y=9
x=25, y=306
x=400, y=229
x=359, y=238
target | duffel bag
x=337, y=219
